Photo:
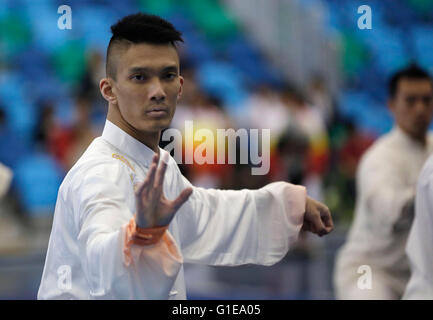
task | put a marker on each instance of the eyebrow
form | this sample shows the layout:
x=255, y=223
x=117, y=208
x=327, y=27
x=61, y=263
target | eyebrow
x=172, y=68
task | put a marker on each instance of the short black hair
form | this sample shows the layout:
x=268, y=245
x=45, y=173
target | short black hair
x=141, y=28
x=413, y=71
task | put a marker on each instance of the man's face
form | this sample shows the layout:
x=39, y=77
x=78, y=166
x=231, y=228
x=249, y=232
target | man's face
x=147, y=85
x=413, y=106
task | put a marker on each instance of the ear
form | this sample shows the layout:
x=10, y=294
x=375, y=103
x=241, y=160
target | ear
x=179, y=94
x=106, y=88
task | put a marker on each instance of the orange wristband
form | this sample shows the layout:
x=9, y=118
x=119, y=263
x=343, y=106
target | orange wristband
x=146, y=236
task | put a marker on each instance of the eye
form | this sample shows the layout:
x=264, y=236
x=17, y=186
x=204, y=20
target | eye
x=427, y=101
x=410, y=101
x=170, y=76
x=139, y=77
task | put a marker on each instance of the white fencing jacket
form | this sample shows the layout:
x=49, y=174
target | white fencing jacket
x=89, y=258
x=386, y=181
x=419, y=247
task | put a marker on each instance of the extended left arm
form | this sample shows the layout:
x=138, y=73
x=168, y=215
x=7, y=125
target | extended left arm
x=227, y=227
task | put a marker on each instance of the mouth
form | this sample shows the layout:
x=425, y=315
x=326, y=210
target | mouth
x=159, y=111
x=421, y=122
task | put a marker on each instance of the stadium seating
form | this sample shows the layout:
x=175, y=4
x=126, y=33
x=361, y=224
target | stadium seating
x=47, y=63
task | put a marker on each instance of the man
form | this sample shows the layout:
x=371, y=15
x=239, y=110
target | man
x=419, y=248
x=386, y=181
x=126, y=219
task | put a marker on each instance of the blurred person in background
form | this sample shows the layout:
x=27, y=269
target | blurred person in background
x=46, y=124
x=205, y=112
x=290, y=164
x=386, y=182
x=6, y=224
x=65, y=142
x=5, y=179
x=123, y=231
x=10, y=227
x=94, y=72
x=308, y=119
x=265, y=110
x=321, y=98
x=83, y=132
x=419, y=248
x=89, y=85
x=342, y=176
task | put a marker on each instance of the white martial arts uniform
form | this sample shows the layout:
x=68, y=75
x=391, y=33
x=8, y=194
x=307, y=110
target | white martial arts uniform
x=419, y=248
x=386, y=182
x=87, y=254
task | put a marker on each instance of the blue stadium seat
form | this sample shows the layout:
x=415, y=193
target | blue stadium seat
x=250, y=61
x=32, y=63
x=367, y=114
x=91, y=23
x=375, y=119
x=43, y=19
x=18, y=107
x=399, y=13
x=423, y=45
x=222, y=80
x=197, y=48
x=13, y=147
x=180, y=21
x=388, y=49
x=37, y=179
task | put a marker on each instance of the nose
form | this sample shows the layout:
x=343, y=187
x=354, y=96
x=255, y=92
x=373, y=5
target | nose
x=156, y=92
x=420, y=106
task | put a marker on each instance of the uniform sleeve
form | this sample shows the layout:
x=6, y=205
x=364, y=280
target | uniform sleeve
x=419, y=247
x=114, y=267
x=386, y=195
x=227, y=227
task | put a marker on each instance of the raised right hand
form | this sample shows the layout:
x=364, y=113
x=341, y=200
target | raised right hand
x=153, y=208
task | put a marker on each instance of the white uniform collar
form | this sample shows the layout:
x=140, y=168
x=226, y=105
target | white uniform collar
x=403, y=136
x=127, y=144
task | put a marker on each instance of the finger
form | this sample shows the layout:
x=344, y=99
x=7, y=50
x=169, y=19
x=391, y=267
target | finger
x=161, y=172
x=182, y=198
x=175, y=205
x=327, y=219
x=155, y=158
x=306, y=226
x=325, y=215
x=145, y=186
x=317, y=224
x=140, y=187
x=154, y=166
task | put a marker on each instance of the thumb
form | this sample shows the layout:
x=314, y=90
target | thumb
x=182, y=198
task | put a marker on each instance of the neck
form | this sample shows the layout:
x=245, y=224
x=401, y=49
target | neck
x=421, y=139
x=149, y=139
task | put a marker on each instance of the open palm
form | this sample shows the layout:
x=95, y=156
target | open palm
x=153, y=208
